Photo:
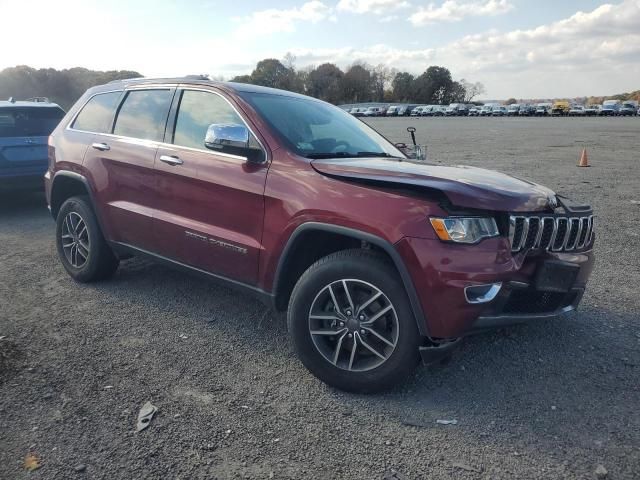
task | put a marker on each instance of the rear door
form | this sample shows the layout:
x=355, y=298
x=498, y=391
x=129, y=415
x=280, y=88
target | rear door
x=211, y=204
x=23, y=138
x=122, y=163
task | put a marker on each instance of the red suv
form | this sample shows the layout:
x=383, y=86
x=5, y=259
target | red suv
x=375, y=256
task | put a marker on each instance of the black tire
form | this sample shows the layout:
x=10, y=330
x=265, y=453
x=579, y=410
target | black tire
x=100, y=262
x=368, y=267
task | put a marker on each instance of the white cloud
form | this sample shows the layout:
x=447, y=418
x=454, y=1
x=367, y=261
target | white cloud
x=605, y=36
x=378, y=7
x=596, y=52
x=593, y=52
x=266, y=22
x=395, y=57
x=456, y=10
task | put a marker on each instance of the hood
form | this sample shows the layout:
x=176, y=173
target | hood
x=466, y=187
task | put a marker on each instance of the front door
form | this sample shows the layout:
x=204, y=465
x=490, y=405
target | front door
x=211, y=204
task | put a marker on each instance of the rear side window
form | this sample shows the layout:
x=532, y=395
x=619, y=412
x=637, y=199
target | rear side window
x=96, y=115
x=144, y=114
x=197, y=111
x=29, y=121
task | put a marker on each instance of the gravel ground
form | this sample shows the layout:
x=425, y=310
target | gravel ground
x=551, y=400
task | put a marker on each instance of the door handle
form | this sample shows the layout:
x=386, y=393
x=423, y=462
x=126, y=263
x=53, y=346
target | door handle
x=103, y=147
x=170, y=160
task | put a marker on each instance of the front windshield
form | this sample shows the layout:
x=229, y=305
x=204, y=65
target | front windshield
x=316, y=129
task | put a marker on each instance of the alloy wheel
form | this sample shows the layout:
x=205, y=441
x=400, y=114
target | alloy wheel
x=353, y=325
x=75, y=240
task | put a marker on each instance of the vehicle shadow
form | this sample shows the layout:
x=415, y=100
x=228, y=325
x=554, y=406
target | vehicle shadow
x=21, y=204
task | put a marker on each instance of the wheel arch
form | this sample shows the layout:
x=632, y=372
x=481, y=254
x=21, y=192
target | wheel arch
x=288, y=272
x=66, y=185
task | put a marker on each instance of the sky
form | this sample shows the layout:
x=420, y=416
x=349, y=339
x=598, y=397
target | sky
x=516, y=48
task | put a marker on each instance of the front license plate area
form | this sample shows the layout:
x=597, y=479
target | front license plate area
x=556, y=276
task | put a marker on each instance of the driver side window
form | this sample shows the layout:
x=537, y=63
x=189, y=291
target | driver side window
x=196, y=112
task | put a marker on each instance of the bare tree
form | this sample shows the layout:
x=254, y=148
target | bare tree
x=472, y=90
x=289, y=60
x=382, y=78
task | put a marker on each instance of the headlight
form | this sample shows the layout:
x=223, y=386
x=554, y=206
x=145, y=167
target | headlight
x=464, y=230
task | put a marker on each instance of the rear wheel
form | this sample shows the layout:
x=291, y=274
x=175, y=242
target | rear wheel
x=82, y=249
x=351, y=323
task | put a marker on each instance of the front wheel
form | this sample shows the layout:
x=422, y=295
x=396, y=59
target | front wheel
x=351, y=323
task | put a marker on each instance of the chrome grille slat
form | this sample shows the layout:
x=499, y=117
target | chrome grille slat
x=570, y=227
x=542, y=233
x=525, y=232
x=584, y=233
x=553, y=234
x=536, y=243
x=561, y=225
x=576, y=226
x=565, y=244
x=533, y=232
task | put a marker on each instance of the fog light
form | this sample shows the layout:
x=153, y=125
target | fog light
x=482, y=293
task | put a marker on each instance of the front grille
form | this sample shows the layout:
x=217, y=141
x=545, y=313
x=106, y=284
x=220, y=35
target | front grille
x=550, y=232
x=533, y=301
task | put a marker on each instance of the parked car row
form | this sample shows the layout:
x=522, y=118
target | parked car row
x=560, y=108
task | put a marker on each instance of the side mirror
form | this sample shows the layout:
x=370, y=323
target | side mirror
x=233, y=139
x=222, y=136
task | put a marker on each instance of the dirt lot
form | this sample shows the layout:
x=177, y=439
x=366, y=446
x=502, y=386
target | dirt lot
x=550, y=400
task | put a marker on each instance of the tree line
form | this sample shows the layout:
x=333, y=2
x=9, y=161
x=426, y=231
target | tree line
x=63, y=87
x=361, y=83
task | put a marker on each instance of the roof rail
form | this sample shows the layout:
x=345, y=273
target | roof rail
x=198, y=77
x=143, y=79
x=38, y=99
x=117, y=80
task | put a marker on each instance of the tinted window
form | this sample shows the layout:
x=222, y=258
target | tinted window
x=197, y=111
x=97, y=113
x=143, y=114
x=29, y=121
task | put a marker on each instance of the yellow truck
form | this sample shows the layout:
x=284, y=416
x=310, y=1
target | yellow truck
x=560, y=108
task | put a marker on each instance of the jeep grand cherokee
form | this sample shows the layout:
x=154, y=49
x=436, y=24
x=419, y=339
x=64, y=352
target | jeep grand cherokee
x=375, y=256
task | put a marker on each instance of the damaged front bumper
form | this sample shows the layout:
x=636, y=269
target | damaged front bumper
x=465, y=289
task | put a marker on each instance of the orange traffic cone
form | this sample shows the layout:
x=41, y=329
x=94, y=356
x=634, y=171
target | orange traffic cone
x=584, y=159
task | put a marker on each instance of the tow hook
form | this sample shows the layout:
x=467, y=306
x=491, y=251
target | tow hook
x=438, y=351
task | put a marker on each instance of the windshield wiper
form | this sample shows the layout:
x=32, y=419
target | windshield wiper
x=347, y=154
x=373, y=154
x=328, y=155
